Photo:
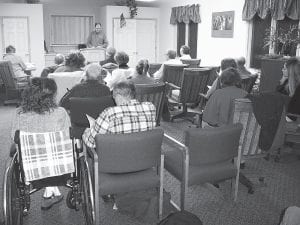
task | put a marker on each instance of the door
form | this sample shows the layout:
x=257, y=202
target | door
x=137, y=38
x=15, y=32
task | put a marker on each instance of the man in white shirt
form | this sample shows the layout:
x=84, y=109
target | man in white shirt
x=171, y=59
x=185, y=52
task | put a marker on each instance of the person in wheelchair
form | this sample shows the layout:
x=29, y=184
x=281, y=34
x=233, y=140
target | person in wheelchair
x=39, y=112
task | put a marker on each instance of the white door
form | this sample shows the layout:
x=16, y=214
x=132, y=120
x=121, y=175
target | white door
x=15, y=32
x=125, y=39
x=137, y=38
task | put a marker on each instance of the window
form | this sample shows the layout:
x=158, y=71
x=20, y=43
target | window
x=193, y=37
x=180, y=36
x=70, y=30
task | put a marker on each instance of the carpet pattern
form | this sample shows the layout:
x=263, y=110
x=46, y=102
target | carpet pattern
x=213, y=206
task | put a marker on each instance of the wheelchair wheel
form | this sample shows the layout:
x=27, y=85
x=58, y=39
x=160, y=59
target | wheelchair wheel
x=13, y=204
x=87, y=194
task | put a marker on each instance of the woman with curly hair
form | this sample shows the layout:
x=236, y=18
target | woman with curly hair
x=73, y=62
x=39, y=113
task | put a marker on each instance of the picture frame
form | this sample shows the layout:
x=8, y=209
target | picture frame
x=222, y=25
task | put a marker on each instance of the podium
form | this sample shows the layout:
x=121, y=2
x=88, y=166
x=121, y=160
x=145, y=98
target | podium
x=93, y=54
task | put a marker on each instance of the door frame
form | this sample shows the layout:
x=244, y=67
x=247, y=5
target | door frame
x=28, y=33
x=156, y=33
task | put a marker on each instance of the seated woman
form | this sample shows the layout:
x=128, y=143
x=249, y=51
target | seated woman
x=140, y=75
x=73, y=62
x=17, y=62
x=120, y=74
x=39, y=113
x=92, y=86
x=218, y=110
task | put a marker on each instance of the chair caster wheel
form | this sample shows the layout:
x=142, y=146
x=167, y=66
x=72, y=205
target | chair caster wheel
x=72, y=201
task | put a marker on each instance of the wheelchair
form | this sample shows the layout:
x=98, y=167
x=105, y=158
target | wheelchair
x=17, y=192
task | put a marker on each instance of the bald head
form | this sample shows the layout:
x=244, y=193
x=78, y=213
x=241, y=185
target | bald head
x=59, y=59
x=93, y=71
x=110, y=52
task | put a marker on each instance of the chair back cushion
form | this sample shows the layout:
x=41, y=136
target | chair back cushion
x=193, y=63
x=153, y=67
x=7, y=74
x=46, y=154
x=152, y=93
x=213, y=145
x=243, y=113
x=195, y=81
x=124, y=153
x=173, y=74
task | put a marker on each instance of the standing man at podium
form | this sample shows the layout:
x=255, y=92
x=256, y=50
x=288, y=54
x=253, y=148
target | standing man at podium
x=97, y=38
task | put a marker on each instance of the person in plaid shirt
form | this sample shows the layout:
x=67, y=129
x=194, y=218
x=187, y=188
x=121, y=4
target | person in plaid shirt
x=127, y=117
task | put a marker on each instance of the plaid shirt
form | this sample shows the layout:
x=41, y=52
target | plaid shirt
x=133, y=117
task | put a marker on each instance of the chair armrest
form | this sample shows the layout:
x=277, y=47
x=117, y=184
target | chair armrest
x=183, y=148
x=203, y=96
x=21, y=77
x=92, y=153
x=292, y=114
x=172, y=86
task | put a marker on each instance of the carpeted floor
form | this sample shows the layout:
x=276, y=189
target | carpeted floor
x=213, y=206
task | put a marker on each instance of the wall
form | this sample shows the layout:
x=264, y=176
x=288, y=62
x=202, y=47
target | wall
x=36, y=35
x=110, y=12
x=210, y=50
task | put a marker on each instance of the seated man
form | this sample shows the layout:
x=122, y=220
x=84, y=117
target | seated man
x=59, y=60
x=171, y=59
x=141, y=75
x=244, y=73
x=219, y=108
x=92, y=86
x=128, y=116
x=110, y=56
x=185, y=52
x=17, y=63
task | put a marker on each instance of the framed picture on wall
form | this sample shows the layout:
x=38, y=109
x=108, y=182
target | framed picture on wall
x=222, y=24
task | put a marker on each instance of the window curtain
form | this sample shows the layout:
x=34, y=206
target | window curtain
x=277, y=8
x=185, y=14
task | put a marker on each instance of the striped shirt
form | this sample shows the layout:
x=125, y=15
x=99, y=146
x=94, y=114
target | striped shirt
x=129, y=118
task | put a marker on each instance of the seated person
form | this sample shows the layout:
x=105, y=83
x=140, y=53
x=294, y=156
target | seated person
x=39, y=113
x=244, y=73
x=170, y=59
x=219, y=108
x=185, y=52
x=17, y=62
x=92, y=86
x=120, y=74
x=74, y=62
x=110, y=56
x=225, y=63
x=128, y=116
x=141, y=75
x=59, y=60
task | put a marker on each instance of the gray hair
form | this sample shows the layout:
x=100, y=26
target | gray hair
x=93, y=71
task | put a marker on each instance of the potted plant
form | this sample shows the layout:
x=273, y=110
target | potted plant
x=284, y=41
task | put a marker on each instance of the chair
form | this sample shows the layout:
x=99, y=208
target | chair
x=124, y=163
x=292, y=132
x=194, y=82
x=193, y=63
x=152, y=93
x=153, y=67
x=173, y=74
x=79, y=107
x=207, y=156
x=13, y=86
x=248, y=83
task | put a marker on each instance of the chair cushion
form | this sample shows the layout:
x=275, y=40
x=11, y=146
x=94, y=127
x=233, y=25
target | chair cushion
x=212, y=172
x=117, y=183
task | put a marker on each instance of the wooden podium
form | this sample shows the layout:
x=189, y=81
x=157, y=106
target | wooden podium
x=94, y=54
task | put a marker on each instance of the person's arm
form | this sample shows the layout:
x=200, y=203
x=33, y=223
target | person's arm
x=213, y=88
x=100, y=126
x=89, y=41
x=158, y=74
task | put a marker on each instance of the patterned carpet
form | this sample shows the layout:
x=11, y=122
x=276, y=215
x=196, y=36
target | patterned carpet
x=213, y=206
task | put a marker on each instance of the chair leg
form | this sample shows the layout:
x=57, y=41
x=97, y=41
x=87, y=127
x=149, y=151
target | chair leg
x=182, y=196
x=245, y=181
x=161, y=188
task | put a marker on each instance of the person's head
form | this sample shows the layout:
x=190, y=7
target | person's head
x=230, y=77
x=184, y=50
x=142, y=67
x=227, y=63
x=59, y=59
x=75, y=59
x=241, y=61
x=39, y=97
x=121, y=58
x=93, y=72
x=10, y=49
x=171, y=54
x=123, y=92
x=293, y=71
x=98, y=27
x=110, y=52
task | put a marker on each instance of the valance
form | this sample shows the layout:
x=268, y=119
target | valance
x=185, y=14
x=278, y=9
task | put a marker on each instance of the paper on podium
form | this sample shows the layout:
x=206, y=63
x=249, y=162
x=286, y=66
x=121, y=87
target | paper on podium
x=94, y=54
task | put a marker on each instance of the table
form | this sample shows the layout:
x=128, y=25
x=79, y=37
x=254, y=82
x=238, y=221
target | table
x=94, y=54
